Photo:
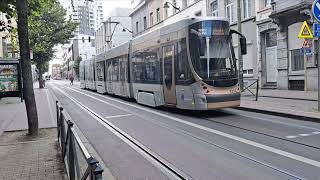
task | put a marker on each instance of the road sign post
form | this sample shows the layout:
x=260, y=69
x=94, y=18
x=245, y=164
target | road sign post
x=316, y=14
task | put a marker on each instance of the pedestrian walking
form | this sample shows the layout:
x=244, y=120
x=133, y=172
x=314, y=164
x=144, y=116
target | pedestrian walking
x=71, y=80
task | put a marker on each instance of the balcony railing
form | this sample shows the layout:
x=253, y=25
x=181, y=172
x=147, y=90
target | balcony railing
x=79, y=163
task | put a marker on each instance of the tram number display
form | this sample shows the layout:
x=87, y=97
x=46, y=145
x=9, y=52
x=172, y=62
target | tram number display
x=8, y=78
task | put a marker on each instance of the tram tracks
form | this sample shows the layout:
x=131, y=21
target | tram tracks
x=245, y=156
x=263, y=134
x=162, y=164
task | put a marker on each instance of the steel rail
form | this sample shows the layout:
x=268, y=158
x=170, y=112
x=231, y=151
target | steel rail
x=179, y=174
x=245, y=156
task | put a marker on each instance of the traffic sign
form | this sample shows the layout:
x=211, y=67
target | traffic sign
x=316, y=9
x=305, y=32
x=316, y=29
x=306, y=44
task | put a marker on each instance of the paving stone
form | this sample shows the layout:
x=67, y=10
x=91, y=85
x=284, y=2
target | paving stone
x=24, y=157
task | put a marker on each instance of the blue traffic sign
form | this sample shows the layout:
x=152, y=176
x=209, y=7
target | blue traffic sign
x=316, y=29
x=316, y=10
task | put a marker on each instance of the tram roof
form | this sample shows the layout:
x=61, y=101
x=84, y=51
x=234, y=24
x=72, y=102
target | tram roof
x=174, y=27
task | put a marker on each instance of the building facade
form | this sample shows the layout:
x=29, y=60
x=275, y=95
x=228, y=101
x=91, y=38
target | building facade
x=150, y=14
x=56, y=71
x=296, y=70
x=114, y=31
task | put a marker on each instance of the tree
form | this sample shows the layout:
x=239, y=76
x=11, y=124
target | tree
x=48, y=28
x=77, y=65
x=30, y=103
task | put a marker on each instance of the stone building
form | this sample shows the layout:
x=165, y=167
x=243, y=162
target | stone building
x=114, y=31
x=293, y=72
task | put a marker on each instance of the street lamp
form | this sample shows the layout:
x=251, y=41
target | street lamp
x=166, y=6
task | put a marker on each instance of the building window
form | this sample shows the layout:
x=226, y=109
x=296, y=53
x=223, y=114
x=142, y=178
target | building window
x=230, y=12
x=137, y=27
x=246, y=6
x=214, y=8
x=158, y=15
x=151, y=19
x=145, y=23
x=271, y=38
x=267, y=3
x=297, y=60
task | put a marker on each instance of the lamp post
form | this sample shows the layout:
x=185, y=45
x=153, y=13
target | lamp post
x=240, y=59
x=166, y=5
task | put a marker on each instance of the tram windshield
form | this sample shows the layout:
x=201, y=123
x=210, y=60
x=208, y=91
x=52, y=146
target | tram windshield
x=211, y=50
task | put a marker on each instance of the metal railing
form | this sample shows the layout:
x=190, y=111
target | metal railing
x=247, y=88
x=79, y=163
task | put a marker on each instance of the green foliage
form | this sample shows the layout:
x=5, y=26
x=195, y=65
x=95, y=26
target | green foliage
x=47, y=28
x=7, y=7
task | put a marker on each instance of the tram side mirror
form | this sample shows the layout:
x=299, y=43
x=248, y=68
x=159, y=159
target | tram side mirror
x=243, y=45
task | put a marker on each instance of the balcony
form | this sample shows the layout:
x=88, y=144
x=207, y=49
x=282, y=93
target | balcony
x=283, y=6
x=287, y=12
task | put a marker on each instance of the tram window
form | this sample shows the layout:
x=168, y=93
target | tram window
x=115, y=74
x=123, y=72
x=100, y=75
x=152, y=66
x=137, y=64
x=146, y=67
x=108, y=71
x=182, y=66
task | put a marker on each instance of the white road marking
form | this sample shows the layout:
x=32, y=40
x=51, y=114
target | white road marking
x=291, y=137
x=279, y=122
x=117, y=116
x=120, y=134
x=236, y=138
x=304, y=135
x=316, y=132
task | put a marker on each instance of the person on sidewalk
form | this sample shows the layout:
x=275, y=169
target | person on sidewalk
x=71, y=80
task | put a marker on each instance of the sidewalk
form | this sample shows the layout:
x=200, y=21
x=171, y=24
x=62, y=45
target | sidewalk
x=298, y=104
x=24, y=157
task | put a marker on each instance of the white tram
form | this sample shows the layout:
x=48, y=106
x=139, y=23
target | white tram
x=189, y=64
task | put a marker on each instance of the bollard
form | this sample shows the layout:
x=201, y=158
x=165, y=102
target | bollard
x=257, y=90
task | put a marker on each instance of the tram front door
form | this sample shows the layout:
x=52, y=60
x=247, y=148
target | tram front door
x=169, y=87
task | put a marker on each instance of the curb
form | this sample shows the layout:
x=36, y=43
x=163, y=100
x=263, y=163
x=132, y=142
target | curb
x=300, y=99
x=287, y=115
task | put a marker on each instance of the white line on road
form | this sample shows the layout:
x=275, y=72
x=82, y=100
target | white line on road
x=117, y=116
x=316, y=132
x=291, y=137
x=304, y=135
x=236, y=138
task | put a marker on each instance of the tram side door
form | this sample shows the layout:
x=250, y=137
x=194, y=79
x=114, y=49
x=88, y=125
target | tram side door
x=169, y=88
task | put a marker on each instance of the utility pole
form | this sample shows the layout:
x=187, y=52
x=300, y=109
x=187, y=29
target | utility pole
x=239, y=48
x=318, y=49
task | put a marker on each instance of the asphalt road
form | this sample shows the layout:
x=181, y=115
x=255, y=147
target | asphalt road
x=225, y=144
